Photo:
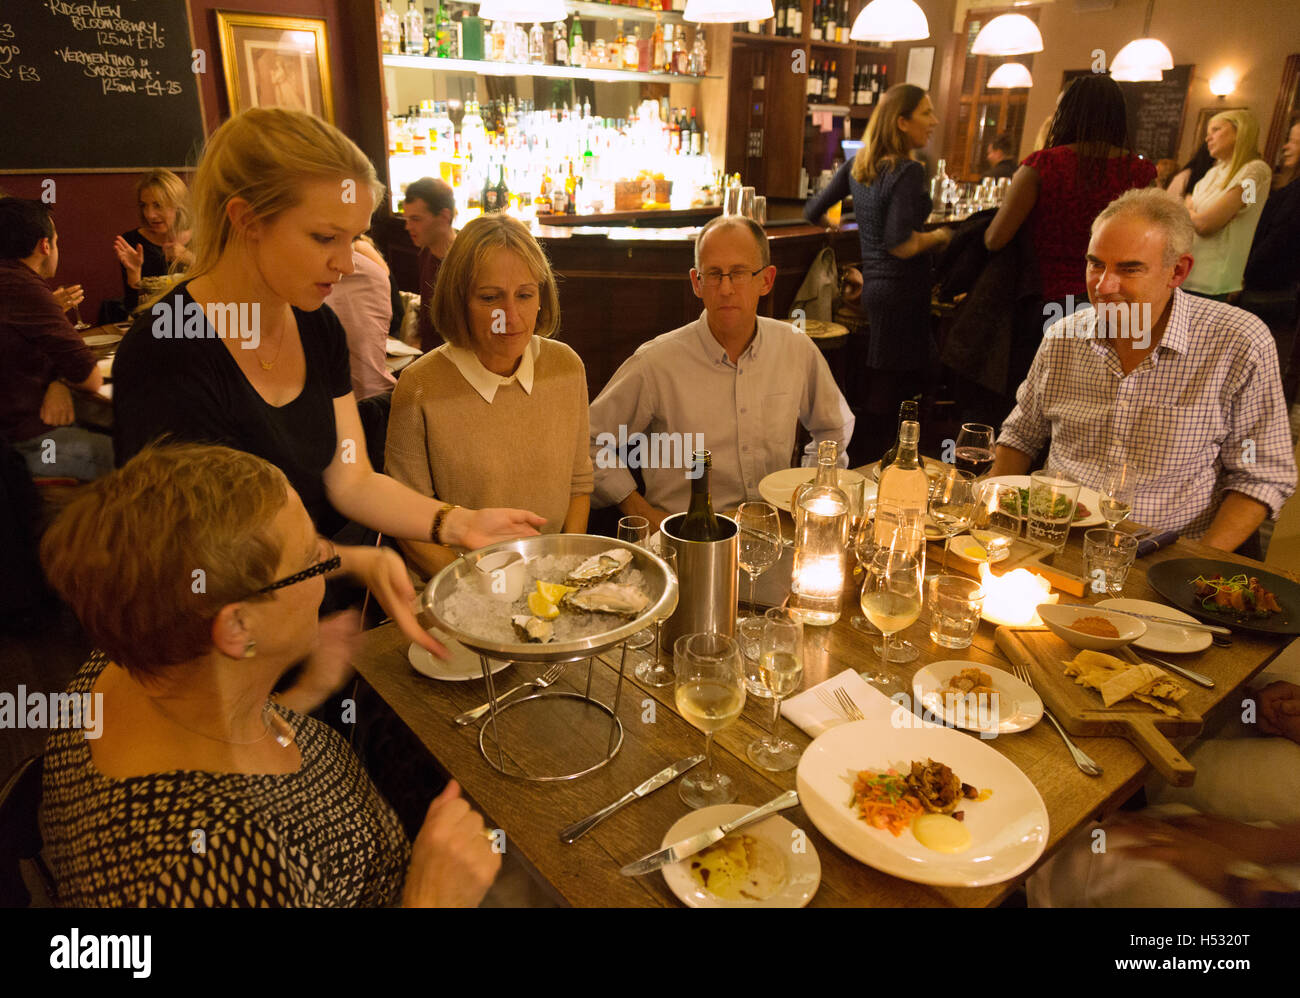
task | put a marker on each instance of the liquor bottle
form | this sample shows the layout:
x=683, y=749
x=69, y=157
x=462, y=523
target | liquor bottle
x=657, y=46
x=857, y=85
x=561, y=45
x=489, y=198
x=694, y=134
x=674, y=134
x=907, y=410
x=831, y=27
x=502, y=191
x=665, y=64
x=833, y=83
x=443, y=35
x=796, y=18
x=783, y=19
x=816, y=31
x=882, y=80
x=904, y=490
x=430, y=43
x=414, y=24
x=700, y=51
x=869, y=94
x=680, y=57
x=631, y=56
x=577, y=47
x=700, y=522
x=571, y=191
x=391, y=29
x=813, y=86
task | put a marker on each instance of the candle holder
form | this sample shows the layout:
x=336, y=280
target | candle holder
x=821, y=538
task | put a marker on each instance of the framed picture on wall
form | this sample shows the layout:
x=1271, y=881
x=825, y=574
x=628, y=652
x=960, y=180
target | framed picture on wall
x=920, y=64
x=276, y=62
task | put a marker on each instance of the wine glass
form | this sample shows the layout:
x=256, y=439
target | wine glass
x=952, y=504
x=636, y=530
x=974, y=449
x=904, y=530
x=710, y=694
x=652, y=671
x=760, y=542
x=996, y=523
x=1117, y=490
x=781, y=667
x=891, y=599
x=864, y=546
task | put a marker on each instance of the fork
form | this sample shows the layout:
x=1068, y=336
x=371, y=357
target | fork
x=1081, y=758
x=841, y=703
x=540, y=683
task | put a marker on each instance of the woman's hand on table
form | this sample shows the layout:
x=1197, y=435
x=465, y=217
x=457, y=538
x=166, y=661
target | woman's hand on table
x=453, y=862
x=1279, y=710
x=382, y=571
x=56, y=407
x=476, y=528
x=69, y=297
x=131, y=258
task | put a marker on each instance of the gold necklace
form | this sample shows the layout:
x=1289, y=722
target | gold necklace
x=284, y=733
x=268, y=364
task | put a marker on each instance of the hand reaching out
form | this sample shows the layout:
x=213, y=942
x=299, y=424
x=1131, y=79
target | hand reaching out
x=69, y=297
x=1279, y=710
x=476, y=528
x=452, y=861
x=131, y=258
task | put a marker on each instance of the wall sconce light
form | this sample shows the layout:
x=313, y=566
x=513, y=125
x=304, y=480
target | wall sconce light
x=1223, y=83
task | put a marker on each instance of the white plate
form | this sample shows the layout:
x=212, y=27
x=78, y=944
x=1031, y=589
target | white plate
x=102, y=339
x=1008, y=831
x=1087, y=496
x=803, y=868
x=1019, y=707
x=462, y=665
x=1059, y=616
x=964, y=545
x=1163, y=637
x=778, y=487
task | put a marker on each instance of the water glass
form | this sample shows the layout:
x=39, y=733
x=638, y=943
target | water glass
x=760, y=209
x=749, y=633
x=653, y=672
x=731, y=201
x=710, y=694
x=747, y=195
x=760, y=541
x=781, y=667
x=1052, y=498
x=955, y=607
x=1107, y=557
x=636, y=530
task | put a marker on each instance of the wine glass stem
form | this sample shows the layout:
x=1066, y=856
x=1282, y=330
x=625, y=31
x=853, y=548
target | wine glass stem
x=708, y=759
x=753, y=581
x=776, y=715
x=884, y=652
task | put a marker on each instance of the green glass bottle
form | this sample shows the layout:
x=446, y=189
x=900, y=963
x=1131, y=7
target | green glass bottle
x=700, y=522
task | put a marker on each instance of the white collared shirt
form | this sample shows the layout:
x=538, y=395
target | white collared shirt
x=485, y=382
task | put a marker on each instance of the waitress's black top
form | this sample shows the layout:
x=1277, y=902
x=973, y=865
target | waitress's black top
x=895, y=293
x=192, y=389
x=154, y=264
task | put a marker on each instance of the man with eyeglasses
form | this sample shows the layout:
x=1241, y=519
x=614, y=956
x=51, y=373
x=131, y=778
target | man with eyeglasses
x=738, y=381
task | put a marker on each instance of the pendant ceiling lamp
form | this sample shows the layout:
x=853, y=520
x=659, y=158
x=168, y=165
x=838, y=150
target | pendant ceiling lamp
x=727, y=11
x=1010, y=76
x=1008, y=34
x=1144, y=59
x=522, y=11
x=890, y=21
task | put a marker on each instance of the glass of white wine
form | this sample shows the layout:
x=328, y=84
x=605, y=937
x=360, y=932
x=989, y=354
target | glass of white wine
x=710, y=694
x=760, y=542
x=891, y=599
x=1116, y=492
x=781, y=667
x=636, y=530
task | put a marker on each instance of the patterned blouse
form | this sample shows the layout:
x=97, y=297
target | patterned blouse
x=320, y=837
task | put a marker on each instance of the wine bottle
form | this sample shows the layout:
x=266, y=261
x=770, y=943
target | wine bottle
x=904, y=492
x=908, y=410
x=700, y=522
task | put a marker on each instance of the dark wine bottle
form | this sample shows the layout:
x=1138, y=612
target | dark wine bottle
x=700, y=522
x=908, y=410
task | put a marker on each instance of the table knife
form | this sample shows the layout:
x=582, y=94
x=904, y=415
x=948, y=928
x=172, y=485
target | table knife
x=580, y=828
x=678, y=851
x=1191, y=625
x=1196, y=677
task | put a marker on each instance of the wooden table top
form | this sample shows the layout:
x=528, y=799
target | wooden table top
x=586, y=873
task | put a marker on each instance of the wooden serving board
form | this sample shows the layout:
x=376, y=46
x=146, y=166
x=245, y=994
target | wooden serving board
x=1080, y=709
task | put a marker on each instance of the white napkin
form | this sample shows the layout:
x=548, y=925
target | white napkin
x=810, y=711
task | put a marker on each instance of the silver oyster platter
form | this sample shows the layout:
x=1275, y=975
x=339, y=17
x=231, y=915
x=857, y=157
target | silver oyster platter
x=661, y=588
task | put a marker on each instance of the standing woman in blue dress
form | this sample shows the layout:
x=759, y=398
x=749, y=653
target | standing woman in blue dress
x=891, y=204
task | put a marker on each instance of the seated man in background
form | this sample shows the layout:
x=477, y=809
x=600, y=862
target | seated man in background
x=428, y=210
x=1184, y=388
x=1001, y=156
x=41, y=355
x=364, y=306
x=729, y=382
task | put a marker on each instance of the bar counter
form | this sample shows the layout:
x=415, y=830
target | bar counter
x=621, y=285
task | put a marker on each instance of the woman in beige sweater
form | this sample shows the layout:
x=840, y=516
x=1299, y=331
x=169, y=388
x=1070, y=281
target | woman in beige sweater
x=499, y=409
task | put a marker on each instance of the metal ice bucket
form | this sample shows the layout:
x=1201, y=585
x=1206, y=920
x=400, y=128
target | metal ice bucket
x=706, y=582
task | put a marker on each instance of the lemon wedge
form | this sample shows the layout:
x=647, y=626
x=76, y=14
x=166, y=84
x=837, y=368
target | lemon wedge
x=541, y=607
x=974, y=551
x=553, y=592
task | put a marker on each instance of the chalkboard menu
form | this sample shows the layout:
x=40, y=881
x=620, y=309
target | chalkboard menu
x=97, y=86
x=1155, y=111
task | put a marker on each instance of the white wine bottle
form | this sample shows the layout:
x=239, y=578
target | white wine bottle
x=907, y=410
x=904, y=493
x=700, y=522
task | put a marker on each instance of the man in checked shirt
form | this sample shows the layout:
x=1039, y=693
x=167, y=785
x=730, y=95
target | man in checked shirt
x=1185, y=388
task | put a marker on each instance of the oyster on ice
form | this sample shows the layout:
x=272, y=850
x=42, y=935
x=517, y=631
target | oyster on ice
x=609, y=597
x=533, y=628
x=600, y=567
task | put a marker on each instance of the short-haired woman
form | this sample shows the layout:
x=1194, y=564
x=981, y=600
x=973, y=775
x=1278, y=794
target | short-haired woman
x=1225, y=205
x=891, y=205
x=243, y=353
x=201, y=790
x=498, y=413
x=148, y=252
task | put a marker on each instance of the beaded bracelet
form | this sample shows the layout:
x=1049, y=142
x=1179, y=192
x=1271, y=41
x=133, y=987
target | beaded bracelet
x=436, y=529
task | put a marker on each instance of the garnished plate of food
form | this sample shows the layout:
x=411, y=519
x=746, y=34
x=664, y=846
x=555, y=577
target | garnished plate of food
x=1086, y=626
x=865, y=785
x=1168, y=639
x=976, y=697
x=1087, y=511
x=770, y=864
x=1228, y=593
